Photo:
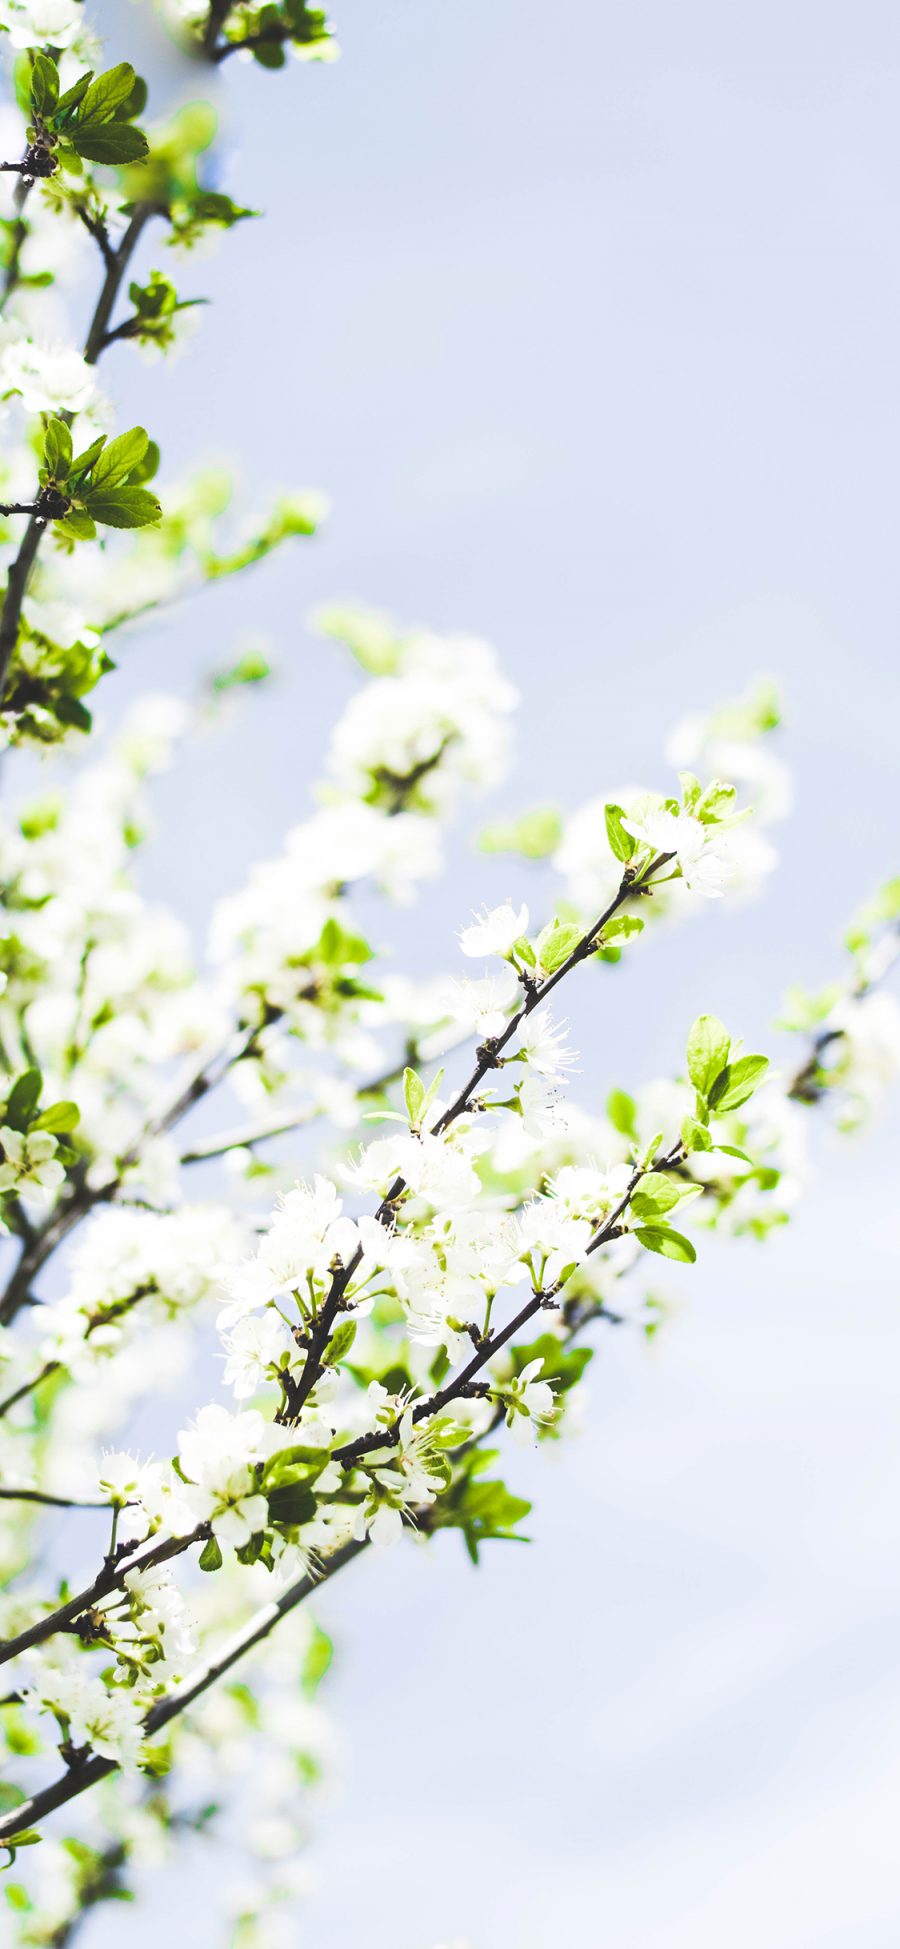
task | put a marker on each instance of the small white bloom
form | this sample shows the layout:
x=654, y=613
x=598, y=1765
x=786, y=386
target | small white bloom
x=50, y=378
x=34, y=23
x=109, y=1722
x=494, y=931
x=252, y=1347
x=484, y=1005
x=528, y=1400
x=29, y=1162
x=543, y=1041
x=700, y=850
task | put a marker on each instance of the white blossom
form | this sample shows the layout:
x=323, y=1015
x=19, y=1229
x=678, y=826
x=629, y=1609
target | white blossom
x=49, y=378
x=701, y=851
x=543, y=1042
x=30, y=1163
x=108, y=1721
x=494, y=931
x=32, y=23
x=217, y=1453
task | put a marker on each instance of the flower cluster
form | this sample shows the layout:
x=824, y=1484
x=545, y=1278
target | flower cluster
x=255, y=1349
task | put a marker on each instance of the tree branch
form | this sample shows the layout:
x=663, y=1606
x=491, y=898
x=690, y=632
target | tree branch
x=78, y=1778
x=456, y=1388
x=134, y=1556
x=85, y=1199
x=631, y=885
x=20, y=570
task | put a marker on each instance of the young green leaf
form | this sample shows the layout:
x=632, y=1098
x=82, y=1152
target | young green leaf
x=112, y=142
x=118, y=458
x=414, y=1096
x=24, y=1098
x=122, y=507
x=340, y=1343
x=83, y=462
x=76, y=526
x=72, y=99
x=668, y=1243
x=106, y=93
x=657, y=1194
x=707, y=1052
x=210, y=1556
x=44, y=85
x=621, y=928
x=736, y=1083
x=58, y=450
x=292, y=1503
x=534, y=834
x=622, y=843
x=621, y=1110
x=59, y=1117
x=555, y=943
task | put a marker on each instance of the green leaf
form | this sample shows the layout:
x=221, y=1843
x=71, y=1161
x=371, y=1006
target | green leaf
x=118, y=458
x=269, y=54
x=83, y=462
x=621, y=927
x=72, y=98
x=555, y=943
x=621, y=1110
x=122, y=507
x=70, y=710
x=669, y=1244
x=482, y=1510
x=58, y=450
x=210, y=1555
x=562, y=1365
x=736, y=1083
x=716, y=803
x=413, y=1096
x=24, y=1098
x=622, y=843
x=29, y=1837
x=292, y=1503
x=658, y=1193
x=44, y=85
x=112, y=142
x=707, y=1052
x=146, y=468
x=60, y=1116
x=535, y=834
x=77, y=525
x=318, y=1657
x=106, y=93
x=340, y=1343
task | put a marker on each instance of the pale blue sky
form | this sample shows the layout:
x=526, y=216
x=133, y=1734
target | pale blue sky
x=587, y=320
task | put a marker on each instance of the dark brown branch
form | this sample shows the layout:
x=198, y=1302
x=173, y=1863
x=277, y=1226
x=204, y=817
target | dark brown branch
x=93, y=1768
x=458, y=1386
x=20, y=570
x=631, y=885
x=134, y=1556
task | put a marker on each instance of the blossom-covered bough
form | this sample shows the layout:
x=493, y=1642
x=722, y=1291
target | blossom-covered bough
x=391, y=1304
